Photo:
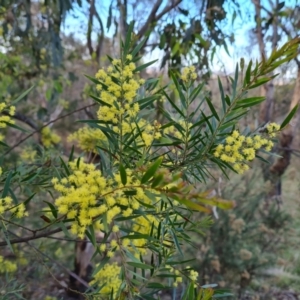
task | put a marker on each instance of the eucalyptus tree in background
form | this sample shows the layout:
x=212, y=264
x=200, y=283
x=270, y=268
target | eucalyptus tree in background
x=277, y=22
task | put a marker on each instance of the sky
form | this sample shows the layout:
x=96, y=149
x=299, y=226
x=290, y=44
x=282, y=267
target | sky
x=242, y=47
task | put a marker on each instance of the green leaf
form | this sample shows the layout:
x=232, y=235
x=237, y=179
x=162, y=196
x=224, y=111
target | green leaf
x=155, y=285
x=22, y=95
x=6, y=237
x=3, y=144
x=100, y=101
x=139, y=265
x=130, y=193
x=144, y=66
x=94, y=80
x=260, y=82
x=65, y=166
x=138, y=236
x=16, y=126
x=28, y=199
x=64, y=229
x=250, y=101
x=180, y=262
x=139, y=46
x=179, y=89
x=263, y=159
x=123, y=174
x=157, y=180
x=100, y=266
x=173, y=104
x=234, y=83
x=212, y=108
x=52, y=208
x=221, y=203
x=128, y=38
x=151, y=171
x=7, y=184
x=196, y=92
x=190, y=204
x=289, y=117
x=248, y=74
x=71, y=154
x=222, y=94
x=91, y=235
x=162, y=41
x=108, y=24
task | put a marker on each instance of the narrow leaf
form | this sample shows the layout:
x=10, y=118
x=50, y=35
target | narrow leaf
x=213, y=110
x=289, y=117
x=123, y=174
x=139, y=265
x=151, y=171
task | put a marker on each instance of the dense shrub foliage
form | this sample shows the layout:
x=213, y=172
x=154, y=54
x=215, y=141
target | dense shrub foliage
x=135, y=188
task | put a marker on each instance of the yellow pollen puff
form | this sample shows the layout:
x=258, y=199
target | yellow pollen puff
x=102, y=247
x=240, y=149
x=115, y=228
x=235, y=134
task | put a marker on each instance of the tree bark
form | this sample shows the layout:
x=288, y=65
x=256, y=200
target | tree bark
x=278, y=168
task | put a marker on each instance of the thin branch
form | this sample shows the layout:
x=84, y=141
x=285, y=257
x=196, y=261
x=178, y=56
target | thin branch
x=101, y=35
x=167, y=9
x=154, y=18
x=18, y=225
x=83, y=282
x=89, y=114
x=34, y=237
x=90, y=27
x=151, y=18
x=284, y=29
x=289, y=149
x=76, y=240
x=48, y=123
x=259, y=30
x=22, y=118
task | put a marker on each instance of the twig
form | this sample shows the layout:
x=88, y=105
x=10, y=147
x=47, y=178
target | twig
x=48, y=123
x=19, y=225
x=154, y=18
x=34, y=237
x=83, y=282
x=22, y=118
x=75, y=240
x=289, y=149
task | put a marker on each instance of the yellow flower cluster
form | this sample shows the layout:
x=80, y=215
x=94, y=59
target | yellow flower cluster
x=188, y=74
x=109, y=278
x=185, y=135
x=272, y=129
x=7, y=266
x=28, y=154
x=50, y=298
x=4, y=120
x=88, y=138
x=48, y=137
x=6, y=204
x=143, y=226
x=178, y=278
x=118, y=88
x=86, y=195
x=63, y=103
x=245, y=254
x=193, y=275
x=239, y=149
